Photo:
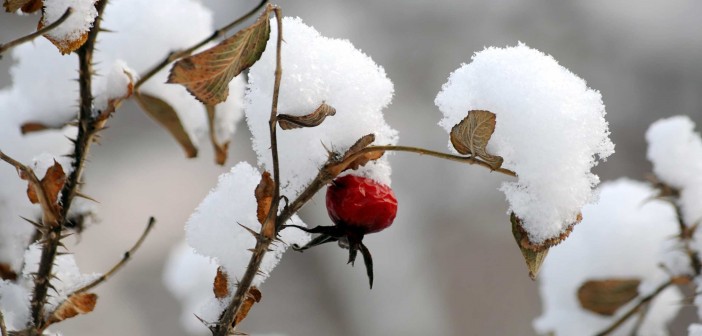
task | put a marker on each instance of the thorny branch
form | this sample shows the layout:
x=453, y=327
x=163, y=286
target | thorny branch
x=86, y=131
x=127, y=256
x=173, y=56
x=9, y=45
x=269, y=228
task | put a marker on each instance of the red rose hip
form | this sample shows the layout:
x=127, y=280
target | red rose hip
x=361, y=205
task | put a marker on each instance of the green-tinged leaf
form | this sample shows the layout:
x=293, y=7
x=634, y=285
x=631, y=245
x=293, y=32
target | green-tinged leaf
x=313, y=119
x=220, y=149
x=472, y=134
x=605, y=297
x=533, y=255
x=207, y=75
x=165, y=115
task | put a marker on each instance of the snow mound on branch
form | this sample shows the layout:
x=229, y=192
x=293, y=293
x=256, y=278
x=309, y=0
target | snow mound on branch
x=675, y=150
x=317, y=70
x=625, y=235
x=214, y=230
x=14, y=304
x=76, y=25
x=550, y=130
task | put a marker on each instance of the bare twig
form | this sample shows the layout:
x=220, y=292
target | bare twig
x=269, y=227
x=86, y=132
x=9, y=45
x=127, y=256
x=643, y=301
x=173, y=56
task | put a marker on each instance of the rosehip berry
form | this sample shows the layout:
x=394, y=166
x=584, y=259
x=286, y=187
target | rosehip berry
x=360, y=204
x=357, y=206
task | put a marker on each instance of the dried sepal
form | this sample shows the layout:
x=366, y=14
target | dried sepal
x=220, y=287
x=605, y=297
x=27, y=6
x=252, y=296
x=472, y=134
x=534, y=257
x=76, y=304
x=313, y=119
x=166, y=116
x=220, y=148
x=207, y=75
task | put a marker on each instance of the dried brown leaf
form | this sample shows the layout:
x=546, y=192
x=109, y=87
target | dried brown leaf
x=605, y=297
x=76, y=304
x=30, y=127
x=313, y=119
x=264, y=196
x=220, y=287
x=472, y=134
x=27, y=6
x=165, y=115
x=113, y=103
x=6, y=272
x=534, y=257
x=52, y=183
x=252, y=296
x=220, y=149
x=352, y=159
x=207, y=75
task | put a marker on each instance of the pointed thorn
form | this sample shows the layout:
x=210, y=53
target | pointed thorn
x=79, y=194
x=35, y=224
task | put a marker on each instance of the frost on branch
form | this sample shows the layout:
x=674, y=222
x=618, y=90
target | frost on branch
x=72, y=33
x=675, y=150
x=624, y=236
x=550, y=130
x=318, y=70
x=215, y=230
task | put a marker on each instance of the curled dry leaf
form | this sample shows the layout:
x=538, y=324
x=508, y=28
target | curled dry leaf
x=76, y=304
x=207, y=75
x=605, y=297
x=27, y=6
x=313, y=119
x=220, y=149
x=52, y=183
x=220, y=287
x=252, y=296
x=264, y=199
x=352, y=159
x=472, y=134
x=534, y=257
x=165, y=115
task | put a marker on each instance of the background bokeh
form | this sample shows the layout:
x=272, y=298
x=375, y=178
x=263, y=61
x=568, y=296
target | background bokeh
x=449, y=265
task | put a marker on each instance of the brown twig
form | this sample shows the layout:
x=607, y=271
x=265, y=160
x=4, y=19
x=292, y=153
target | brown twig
x=643, y=301
x=127, y=256
x=175, y=55
x=86, y=132
x=269, y=227
x=9, y=45
x=3, y=328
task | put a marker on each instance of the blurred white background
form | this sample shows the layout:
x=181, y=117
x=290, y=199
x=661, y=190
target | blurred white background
x=449, y=265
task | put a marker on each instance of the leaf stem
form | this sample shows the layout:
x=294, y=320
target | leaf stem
x=175, y=55
x=127, y=256
x=440, y=155
x=645, y=300
x=9, y=45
